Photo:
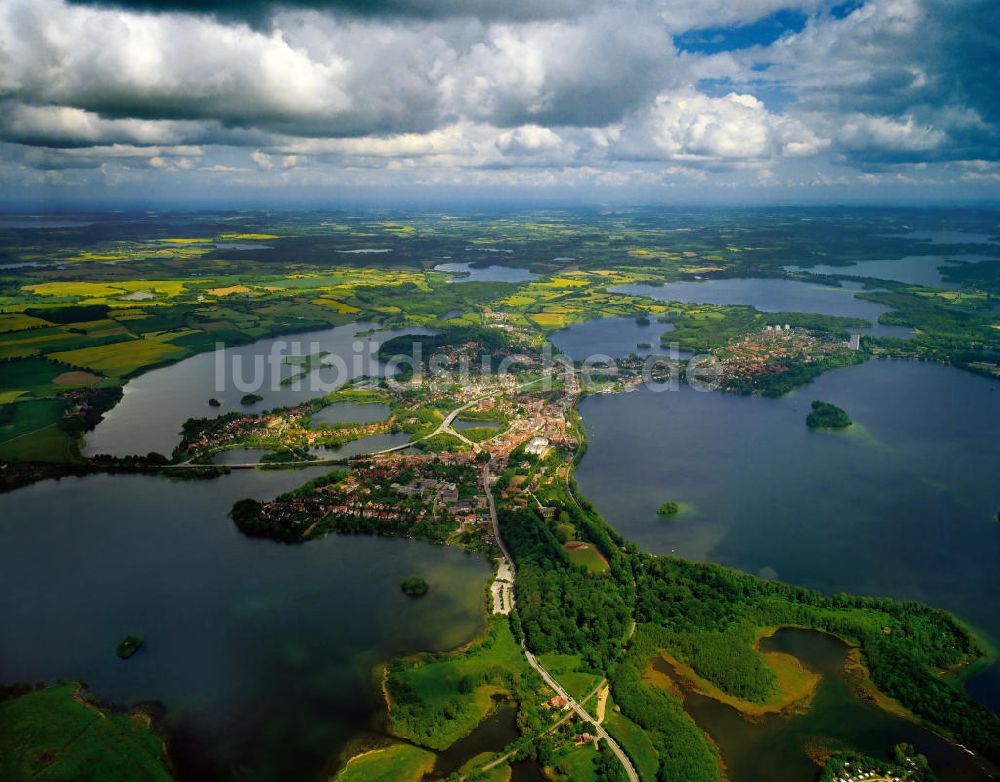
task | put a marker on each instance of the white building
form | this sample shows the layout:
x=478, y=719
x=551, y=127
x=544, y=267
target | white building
x=537, y=446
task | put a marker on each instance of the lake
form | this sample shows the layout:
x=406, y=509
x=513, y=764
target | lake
x=769, y=294
x=914, y=269
x=363, y=445
x=261, y=653
x=461, y=424
x=902, y=504
x=157, y=403
x=773, y=748
x=490, y=273
x=614, y=337
x=351, y=412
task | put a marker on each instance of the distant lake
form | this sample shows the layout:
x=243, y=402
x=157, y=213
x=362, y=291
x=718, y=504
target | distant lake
x=363, y=445
x=953, y=237
x=31, y=221
x=157, y=403
x=461, y=424
x=772, y=295
x=492, y=273
x=902, y=504
x=614, y=337
x=340, y=412
x=914, y=269
x=240, y=456
x=240, y=246
x=260, y=652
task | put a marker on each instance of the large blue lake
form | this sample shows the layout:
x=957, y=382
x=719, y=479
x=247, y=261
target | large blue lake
x=261, y=653
x=902, y=504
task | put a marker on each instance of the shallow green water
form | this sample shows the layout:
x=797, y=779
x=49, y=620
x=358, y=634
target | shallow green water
x=774, y=748
x=261, y=653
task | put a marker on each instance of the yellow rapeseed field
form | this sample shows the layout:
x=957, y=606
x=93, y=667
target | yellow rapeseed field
x=120, y=358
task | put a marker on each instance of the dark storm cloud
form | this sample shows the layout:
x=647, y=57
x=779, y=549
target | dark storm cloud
x=314, y=75
x=965, y=40
x=257, y=12
x=901, y=82
x=303, y=87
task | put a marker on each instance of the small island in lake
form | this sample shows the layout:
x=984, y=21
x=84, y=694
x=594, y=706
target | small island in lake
x=668, y=509
x=304, y=365
x=250, y=399
x=213, y=402
x=414, y=586
x=827, y=416
x=129, y=645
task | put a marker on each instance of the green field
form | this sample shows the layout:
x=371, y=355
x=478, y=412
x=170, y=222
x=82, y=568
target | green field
x=121, y=359
x=32, y=375
x=571, y=672
x=575, y=764
x=30, y=431
x=395, y=763
x=438, y=698
x=585, y=554
x=635, y=743
x=54, y=735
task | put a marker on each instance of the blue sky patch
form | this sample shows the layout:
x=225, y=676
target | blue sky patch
x=842, y=10
x=763, y=32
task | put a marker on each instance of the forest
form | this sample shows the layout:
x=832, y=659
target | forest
x=560, y=607
x=905, y=645
x=709, y=617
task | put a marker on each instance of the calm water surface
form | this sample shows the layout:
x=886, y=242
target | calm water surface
x=363, y=445
x=614, y=337
x=156, y=404
x=353, y=412
x=461, y=424
x=903, y=504
x=491, y=273
x=260, y=652
x=772, y=295
x=915, y=269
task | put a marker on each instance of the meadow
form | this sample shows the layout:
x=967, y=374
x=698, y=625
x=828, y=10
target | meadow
x=57, y=734
x=437, y=699
x=394, y=763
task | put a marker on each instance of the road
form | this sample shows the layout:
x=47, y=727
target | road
x=574, y=706
x=549, y=680
x=583, y=715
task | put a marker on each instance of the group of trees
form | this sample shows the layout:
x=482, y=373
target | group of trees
x=707, y=616
x=560, y=607
x=684, y=750
x=827, y=416
x=706, y=613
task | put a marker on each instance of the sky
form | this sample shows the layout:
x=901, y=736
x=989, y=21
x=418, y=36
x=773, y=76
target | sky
x=732, y=101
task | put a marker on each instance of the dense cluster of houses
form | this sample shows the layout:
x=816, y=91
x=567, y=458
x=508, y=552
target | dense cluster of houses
x=289, y=428
x=770, y=350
